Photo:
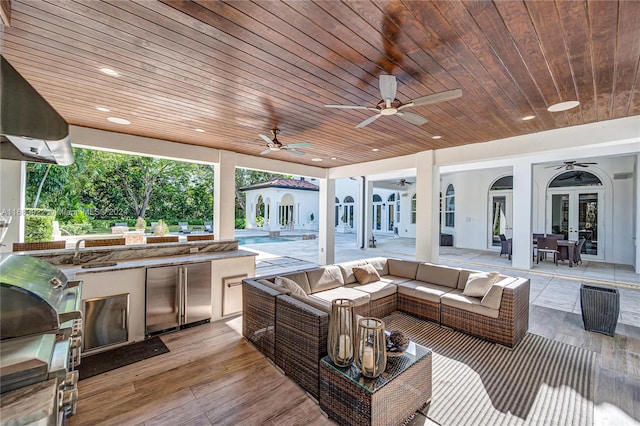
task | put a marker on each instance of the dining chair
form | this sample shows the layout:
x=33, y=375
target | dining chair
x=505, y=245
x=577, y=259
x=548, y=246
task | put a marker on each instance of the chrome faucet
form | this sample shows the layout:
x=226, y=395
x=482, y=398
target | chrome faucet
x=76, y=252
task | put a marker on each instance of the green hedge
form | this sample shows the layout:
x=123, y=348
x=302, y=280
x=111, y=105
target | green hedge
x=38, y=225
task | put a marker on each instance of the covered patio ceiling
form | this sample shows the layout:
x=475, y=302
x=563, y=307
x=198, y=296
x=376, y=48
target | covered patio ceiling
x=240, y=68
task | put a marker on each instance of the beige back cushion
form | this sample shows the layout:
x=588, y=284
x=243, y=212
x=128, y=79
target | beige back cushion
x=493, y=298
x=438, y=274
x=290, y=285
x=347, y=270
x=403, y=268
x=273, y=286
x=325, y=278
x=381, y=265
x=301, y=279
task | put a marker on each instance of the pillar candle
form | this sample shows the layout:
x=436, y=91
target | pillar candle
x=367, y=358
x=344, y=346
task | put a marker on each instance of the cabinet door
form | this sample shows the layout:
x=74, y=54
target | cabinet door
x=106, y=321
x=197, y=292
x=163, y=298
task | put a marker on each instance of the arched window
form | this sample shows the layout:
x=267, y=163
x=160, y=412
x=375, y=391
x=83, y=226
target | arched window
x=413, y=209
x=575, y=178
x=377, y=198
x=348, y=199
x=450, y=207
x=505, y=182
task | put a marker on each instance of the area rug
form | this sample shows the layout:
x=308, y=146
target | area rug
x=476, y=382
x=102, y=362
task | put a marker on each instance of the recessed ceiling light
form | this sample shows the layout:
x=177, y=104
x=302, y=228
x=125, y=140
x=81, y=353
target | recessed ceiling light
x=109, y=71
x=103, y=109
x=118, y=120
x=333, y=158
x=436, y=137
x=375, y=150
x=199, y=130
x=563, y=106
x=528, y=117
x=316, y=159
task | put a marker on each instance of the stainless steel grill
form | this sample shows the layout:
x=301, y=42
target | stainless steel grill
x=40, y=329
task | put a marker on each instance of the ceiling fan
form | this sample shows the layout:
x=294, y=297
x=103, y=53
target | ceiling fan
x=389, y=105
x=569, y=165
x=404, y=182
x=275, y=145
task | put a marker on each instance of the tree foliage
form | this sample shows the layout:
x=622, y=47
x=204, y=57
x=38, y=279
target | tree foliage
x=111, y=186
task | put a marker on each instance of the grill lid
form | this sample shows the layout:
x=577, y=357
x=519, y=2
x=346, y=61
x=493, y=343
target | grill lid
x=32, y=292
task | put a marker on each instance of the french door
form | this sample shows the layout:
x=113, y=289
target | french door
x=577, y=213
x=500, y=216
x=390, y=217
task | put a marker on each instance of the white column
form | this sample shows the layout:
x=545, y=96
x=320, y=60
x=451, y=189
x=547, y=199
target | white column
x=326, y=221
x=426, y=203
x=522, y=247
x=13, y=174
x=224, y=194
x=636, y=185
x=360, y=214
x=368, y=212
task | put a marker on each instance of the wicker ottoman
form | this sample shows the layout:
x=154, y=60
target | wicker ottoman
x=600, y=308
x=351, y=399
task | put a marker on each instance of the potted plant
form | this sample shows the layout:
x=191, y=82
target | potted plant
x=161, y=228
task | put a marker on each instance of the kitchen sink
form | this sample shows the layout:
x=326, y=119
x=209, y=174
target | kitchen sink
x=98, y=265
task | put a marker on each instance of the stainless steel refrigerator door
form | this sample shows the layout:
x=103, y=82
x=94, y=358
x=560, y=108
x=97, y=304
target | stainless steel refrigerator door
x=106, y=321
x=197, y=286
x=163, y=298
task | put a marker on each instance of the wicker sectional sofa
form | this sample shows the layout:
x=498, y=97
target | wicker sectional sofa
x=291, y=329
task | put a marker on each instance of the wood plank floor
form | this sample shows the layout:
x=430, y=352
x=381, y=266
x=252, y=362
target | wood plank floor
x=212, y=376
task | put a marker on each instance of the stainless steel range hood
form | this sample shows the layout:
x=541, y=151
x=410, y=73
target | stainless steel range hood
x=31, y=130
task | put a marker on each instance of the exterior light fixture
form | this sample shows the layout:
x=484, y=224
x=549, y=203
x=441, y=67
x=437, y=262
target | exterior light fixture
x=119, y=120
x=563, y=106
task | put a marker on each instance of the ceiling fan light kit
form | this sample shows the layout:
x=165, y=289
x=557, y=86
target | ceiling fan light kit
x=389, y=105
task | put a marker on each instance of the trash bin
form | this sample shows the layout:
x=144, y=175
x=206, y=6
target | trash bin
x=600, y=308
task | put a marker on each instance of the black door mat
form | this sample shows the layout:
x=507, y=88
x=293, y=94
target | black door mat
x=102, y=362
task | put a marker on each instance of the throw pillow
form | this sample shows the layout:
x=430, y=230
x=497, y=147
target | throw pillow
x=290, y=285
x=366, y=274
x=479, y=283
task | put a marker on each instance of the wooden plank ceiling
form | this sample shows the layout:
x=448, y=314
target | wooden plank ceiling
x=236, y=69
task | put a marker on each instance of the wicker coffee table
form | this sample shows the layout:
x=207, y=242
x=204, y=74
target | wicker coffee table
x=351, y=399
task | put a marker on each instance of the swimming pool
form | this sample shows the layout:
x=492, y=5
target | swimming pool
x=262, y=240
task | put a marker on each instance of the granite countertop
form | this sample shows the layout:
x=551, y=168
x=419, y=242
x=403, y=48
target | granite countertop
x=71, y=271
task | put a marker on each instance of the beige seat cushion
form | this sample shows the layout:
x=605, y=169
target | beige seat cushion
x=290, y=285
x=479, y=283
x=359, y=297
x=456, y=299
x=377, y=290
x=438, y=274
x=394, y=279
x=422, y=290
x=325, y=278
x=403, y=268
x=381, y=265
x=366, y=274
x=301, y=279
x=347, y=270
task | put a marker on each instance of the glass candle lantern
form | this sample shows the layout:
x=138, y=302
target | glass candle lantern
x=342, y=327
x=371, y=347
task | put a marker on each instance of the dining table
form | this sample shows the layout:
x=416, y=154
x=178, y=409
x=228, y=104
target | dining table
x=570, y=249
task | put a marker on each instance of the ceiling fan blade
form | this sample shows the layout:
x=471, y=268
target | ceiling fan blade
x=299, y=145
x=368, y=121
x=388, y=87
x=265, y=138
x=294, y=151
x=434, y=98
x=348, y=106
x=266, y=151
x=555, y=165
x=583, y=164
x=412, y=118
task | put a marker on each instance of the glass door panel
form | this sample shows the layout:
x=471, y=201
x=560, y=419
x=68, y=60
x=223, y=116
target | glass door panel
x=390, y=218
x=588, y=222
x=560, y=214
x=500, y=217
x=576, y=214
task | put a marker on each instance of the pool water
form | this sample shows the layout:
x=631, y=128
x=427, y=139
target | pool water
x=261, y=240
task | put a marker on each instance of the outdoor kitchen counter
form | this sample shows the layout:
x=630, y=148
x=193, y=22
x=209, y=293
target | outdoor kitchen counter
x=71, y=271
